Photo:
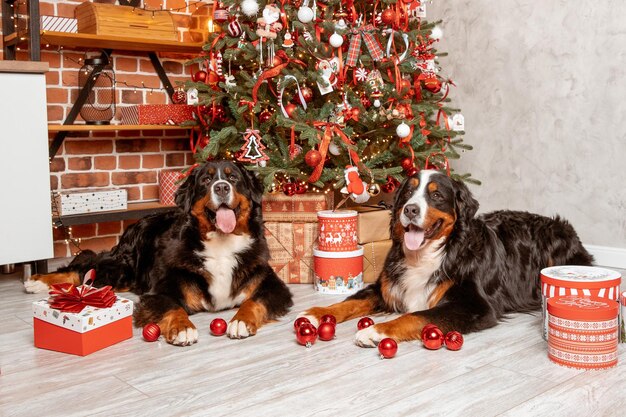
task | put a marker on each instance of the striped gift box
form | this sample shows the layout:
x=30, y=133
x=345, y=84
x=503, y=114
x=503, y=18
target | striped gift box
x=168, y=185
x=59, y=24
x=577, y=280
x=582, y=331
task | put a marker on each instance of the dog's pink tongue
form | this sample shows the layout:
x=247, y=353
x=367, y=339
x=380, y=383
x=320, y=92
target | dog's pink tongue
x=225, y=219
x=413, y=239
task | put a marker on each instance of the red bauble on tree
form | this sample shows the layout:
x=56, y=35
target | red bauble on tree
x=264, y=116
x=411, y=171
x=364, y=323
x=179, y=96
x=218, y=327
x=289, y=189
x=454, y=340
x=301, y=188
x=151, y=332
x=306, y=334
x=326, y=331
x=307, y=93
x=290, y=108
x=432, y=84
x=313, y=158
x=432, y=338
x=200, y=76
x=299, y=322
x=387, y=348
x=406, y=163
x=388, y=16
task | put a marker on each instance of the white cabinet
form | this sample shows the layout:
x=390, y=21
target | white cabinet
x=25, y=221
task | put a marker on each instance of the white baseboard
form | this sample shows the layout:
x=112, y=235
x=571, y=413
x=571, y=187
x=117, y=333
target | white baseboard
x=608, y=256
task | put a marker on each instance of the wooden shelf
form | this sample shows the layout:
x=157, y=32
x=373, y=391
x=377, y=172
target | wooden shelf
x=110, y=128
x=134, y=211
x=86, y=40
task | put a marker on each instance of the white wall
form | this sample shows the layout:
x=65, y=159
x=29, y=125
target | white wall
x=542, y=87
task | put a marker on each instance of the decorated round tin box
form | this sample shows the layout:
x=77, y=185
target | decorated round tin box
x=338, y=272
x=582, y=331
x=337, y=230
x=577, y=280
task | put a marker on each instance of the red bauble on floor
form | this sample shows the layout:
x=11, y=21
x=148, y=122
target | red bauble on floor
x=299, y=322
x=218, y=327
x=306, y=334
x=387, y=348
x=433, y=338
x=365, y=322
x=328, y=318
x=326, y=331
x=151, y=332
x=454, y=340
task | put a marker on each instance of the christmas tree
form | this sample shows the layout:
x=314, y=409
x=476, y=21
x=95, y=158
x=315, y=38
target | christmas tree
x=302, y=90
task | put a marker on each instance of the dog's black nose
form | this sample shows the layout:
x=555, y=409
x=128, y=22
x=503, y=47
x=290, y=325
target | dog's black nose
x=411, y=211
x=221, y=189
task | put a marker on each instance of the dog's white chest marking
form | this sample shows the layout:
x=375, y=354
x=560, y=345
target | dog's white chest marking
x=414, y=288
x=220, y=259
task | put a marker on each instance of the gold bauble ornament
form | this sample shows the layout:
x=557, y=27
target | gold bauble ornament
x=274, y=188
x=373, y=189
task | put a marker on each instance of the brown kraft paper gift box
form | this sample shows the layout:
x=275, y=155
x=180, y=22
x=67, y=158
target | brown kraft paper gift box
x=374, y=255
x=291, y=250
x=297, y=208
x=372, y=223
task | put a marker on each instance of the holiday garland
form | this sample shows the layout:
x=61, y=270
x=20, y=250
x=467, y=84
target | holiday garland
x=300, y=90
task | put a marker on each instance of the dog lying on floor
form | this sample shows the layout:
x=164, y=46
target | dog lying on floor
x=453, y=269
x=209, y=254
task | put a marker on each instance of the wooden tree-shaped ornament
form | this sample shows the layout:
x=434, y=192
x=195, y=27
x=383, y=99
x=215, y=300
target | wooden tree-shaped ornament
x=252, y=149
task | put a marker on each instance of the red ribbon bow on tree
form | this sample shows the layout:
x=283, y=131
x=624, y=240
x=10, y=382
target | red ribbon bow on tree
x=72, y=299
x=354, y=50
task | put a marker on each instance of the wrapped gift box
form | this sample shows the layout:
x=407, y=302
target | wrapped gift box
x=374, y=255
x=157, y=114
x=291, y=250
x=372, y=223
x=78, y=202
x=168, y=184
x=82, y=333
x=298, y=208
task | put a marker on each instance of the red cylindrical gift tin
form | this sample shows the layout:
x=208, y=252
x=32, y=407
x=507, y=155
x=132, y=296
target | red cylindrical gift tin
x=582, y=331
x=577, y=280
x=337, y=230
x=338, y=272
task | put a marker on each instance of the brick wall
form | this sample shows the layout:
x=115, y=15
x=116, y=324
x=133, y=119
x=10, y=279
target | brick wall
x=127, y=159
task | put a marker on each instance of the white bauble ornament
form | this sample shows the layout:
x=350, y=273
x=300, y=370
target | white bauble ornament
x=336, y=40
x=403, y=130
x=377, y=103
x=334, y=149
x=341, y=25
x=305, y=14
x=262, y=164
x=249, y=7
x=436, y=33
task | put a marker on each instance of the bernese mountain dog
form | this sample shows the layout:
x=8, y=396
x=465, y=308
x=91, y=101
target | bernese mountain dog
x=455, y=270
x=208, y=254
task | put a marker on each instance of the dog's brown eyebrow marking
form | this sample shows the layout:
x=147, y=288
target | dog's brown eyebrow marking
x=227, y=171
x=414, y=182
x=432, y=187
x=211, y=171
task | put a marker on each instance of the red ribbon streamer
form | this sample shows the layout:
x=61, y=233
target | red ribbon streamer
x=72, y=299
x=273, y=72
x=329, y=130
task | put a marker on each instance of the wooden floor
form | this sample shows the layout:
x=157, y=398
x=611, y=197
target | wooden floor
x=502, y=371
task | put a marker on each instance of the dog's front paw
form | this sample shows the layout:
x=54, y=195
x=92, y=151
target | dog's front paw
x=239, y=329
x=181, y=334
x=33, y=285
x=368, y=337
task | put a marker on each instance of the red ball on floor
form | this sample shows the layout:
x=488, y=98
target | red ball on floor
x=328, y=318
x=365, y=322
x=387, y=348
x=454, y=340
x=299, y=322
x=151, y=332
x=218, y=327
x=306, y=334
x=326, y=331
x=433, y=338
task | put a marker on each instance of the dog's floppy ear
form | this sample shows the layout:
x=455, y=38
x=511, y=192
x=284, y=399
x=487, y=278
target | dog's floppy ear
x=465, y=204
x=184, y=196
x=253, y=183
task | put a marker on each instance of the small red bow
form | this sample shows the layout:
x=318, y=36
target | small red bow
x=72, y=299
